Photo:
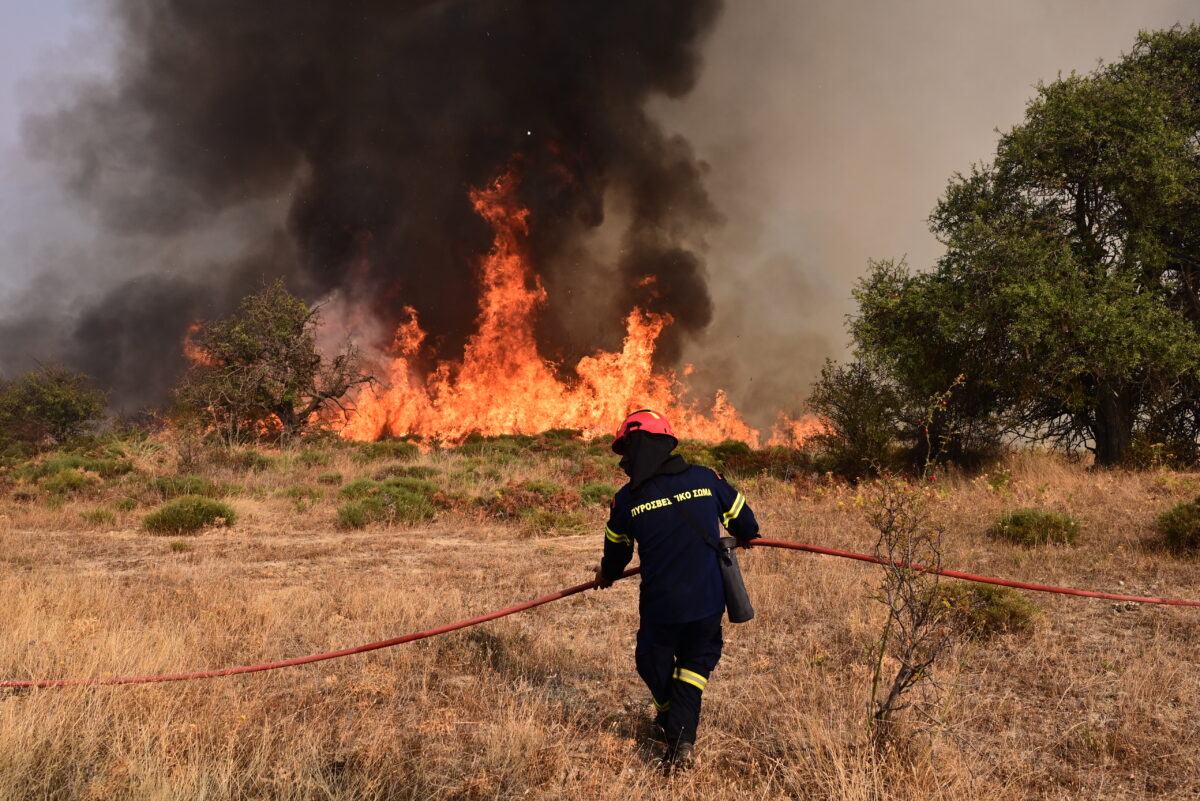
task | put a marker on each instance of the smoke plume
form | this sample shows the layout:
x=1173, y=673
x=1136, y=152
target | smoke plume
x=337, y=143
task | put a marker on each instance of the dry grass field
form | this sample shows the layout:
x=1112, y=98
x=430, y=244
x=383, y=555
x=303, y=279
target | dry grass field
x=1097, y=702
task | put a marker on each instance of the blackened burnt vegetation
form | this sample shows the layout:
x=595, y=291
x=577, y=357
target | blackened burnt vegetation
x=370, y=123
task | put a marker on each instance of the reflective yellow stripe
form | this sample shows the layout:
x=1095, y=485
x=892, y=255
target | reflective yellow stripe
x=619, y=539
x=734, y=510
x=691, y=677
x=663, y=707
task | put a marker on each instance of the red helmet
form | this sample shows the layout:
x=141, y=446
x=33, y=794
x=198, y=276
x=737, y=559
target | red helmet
x=642, y=420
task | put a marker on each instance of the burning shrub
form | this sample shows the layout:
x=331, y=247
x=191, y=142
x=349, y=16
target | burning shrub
x=1031, y=527
x=188, y=515
x=1180, y=527
x=49, y=404
x=982, y=611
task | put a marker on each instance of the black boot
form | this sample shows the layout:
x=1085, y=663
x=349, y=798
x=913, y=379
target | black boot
x=679, y=758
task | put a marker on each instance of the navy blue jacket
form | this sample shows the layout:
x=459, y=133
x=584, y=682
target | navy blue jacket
x=681, y=580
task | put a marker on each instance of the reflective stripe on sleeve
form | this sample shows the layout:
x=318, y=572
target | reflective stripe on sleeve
x=691, y=677
x=619, y=539
x=663, y=707
x=734, y=510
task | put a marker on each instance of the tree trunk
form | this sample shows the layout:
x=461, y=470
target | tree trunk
x=1115, y=413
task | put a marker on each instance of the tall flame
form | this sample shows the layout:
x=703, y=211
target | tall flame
x=502, y=385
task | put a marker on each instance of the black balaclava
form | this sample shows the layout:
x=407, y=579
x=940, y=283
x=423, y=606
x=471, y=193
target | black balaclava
x=649, y=455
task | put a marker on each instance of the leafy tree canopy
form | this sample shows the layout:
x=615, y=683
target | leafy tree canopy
x=1068, y=294
x=49, y=405
x=259, y=373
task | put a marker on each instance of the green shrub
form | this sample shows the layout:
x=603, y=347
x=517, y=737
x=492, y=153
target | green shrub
x=980, y=611
x=362, y=487
x=105, y=468
x=398, y=449
x=502, y=449
x=396, y=500
x=597, y=492
x=561, y=434
x=602, y=443
x=544, y=522
x=168, y=487
x=394, y=504
x=48, y=403
x=189, y=514
x=251, y=460
x=542, y=487
x=304, y=497
x=330, y=479
x=179, y=546
x=696, y=452
x=1180, y=527
x=358, y=489
x=125, y=504
x=730, y=448
x=405, y=471
x=515, y=501
x=779, y=462
x=69, y=482
x=311, y=458
x=863, y=408
x=1036, y=527
x=352, y=515
x=99, y=517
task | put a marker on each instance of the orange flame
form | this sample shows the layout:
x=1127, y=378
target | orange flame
x=502, y=385
x=192, y=351
x=791, y=432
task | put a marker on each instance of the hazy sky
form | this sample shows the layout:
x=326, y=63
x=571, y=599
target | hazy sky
x=830, y=130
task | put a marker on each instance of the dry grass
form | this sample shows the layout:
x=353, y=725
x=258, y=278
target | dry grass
x=1098, y=702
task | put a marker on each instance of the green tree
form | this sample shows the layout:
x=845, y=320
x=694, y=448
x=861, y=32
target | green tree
x=1067, y=296
x=863, y=411
x=49, y=405
x=259, y=373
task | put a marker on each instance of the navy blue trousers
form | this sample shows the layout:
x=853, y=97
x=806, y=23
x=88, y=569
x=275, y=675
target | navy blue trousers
x=675, y=660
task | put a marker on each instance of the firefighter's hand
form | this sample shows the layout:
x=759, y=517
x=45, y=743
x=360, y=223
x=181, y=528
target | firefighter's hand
x=602, y=583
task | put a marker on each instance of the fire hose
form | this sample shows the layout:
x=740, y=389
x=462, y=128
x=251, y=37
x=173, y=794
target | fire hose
x=545, y=599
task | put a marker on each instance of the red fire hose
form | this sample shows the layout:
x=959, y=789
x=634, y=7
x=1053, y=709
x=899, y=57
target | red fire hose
x=545, y=599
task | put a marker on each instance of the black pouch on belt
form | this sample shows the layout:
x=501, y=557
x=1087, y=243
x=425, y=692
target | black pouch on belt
x=737, y=599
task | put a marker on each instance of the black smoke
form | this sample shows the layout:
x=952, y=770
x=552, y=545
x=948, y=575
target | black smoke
x=371, y=121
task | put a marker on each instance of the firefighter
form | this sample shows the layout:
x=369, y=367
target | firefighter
x=674, y=512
